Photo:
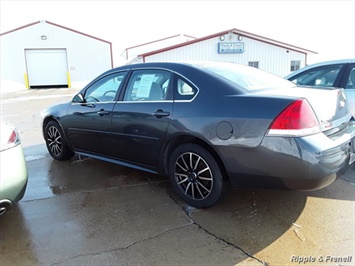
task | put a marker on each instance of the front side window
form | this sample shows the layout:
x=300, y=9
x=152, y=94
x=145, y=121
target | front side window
x=147, y=85
x=105, y=89
x=319, y=77
x=295, y=65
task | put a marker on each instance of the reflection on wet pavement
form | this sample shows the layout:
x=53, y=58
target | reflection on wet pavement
x=49, y=177
x=86, y=211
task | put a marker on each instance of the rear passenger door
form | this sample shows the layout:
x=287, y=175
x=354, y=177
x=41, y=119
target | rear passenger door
x=141, y=117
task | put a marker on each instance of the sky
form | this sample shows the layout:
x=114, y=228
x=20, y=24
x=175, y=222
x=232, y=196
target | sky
x=326, y=27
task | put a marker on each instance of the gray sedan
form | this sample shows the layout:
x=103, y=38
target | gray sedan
x=205, y=123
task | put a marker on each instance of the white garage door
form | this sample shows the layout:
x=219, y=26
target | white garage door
x=47, y=68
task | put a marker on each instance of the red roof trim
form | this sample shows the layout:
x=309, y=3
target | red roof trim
x=239, y=32
x=163, y=39
x=66, y=28
x=87, y=35
x=57, y=25
x=280, y=44
x=20, y=28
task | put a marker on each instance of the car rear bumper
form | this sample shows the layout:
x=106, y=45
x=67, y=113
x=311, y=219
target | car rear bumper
x=305, y=163
x=13, y=174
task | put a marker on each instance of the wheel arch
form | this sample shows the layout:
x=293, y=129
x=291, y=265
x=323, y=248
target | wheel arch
x=45, y=121
x=50, y=118
x=183, y=139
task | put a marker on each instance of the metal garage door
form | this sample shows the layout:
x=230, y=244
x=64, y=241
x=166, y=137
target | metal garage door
x=47, y=68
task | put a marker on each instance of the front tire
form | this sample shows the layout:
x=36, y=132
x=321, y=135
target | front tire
x=56, y=143
x=195, y=175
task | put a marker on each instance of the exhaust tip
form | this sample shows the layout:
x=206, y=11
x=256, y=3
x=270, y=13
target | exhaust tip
x=4, y=205
x=2, y=210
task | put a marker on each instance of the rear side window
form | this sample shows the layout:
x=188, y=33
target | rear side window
x=319, y=77
x=184, y=90
x=351, y=81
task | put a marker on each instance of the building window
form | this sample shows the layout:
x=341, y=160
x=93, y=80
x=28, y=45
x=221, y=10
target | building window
x=254, y=64
x=295, y=65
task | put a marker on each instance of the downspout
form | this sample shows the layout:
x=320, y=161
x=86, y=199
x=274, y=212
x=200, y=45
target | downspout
x=111, y=55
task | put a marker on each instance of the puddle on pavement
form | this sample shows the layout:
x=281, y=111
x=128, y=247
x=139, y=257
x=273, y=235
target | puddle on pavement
x=34, y=157
x=49, y=177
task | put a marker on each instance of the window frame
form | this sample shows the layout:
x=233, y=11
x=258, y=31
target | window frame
x=295, y=65
x=347, y=72
x=105, y=78
x=317, y=73
x=183, y=98
x=149, y=71
x=252, y=64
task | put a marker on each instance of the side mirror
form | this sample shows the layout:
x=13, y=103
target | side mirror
x=79, y=98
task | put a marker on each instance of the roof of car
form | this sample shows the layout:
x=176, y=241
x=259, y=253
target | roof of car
x=189, y=63
x=332, y=62
x=325, y=63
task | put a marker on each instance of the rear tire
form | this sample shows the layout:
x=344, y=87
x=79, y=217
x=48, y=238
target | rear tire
x=56, y=143
x=195, y=175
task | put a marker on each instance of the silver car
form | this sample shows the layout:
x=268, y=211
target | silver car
x=13, y=175
x=337, y=73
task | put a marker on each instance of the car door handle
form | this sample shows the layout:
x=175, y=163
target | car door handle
x=102, y=112
x=160, y=113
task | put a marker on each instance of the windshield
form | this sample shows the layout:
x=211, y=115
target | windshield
x=248, y=78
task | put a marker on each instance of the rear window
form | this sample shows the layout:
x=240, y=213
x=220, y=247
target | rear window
x=320, y=77
x=245, y=77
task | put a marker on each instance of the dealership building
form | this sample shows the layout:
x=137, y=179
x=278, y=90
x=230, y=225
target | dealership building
x=232, y=45
x=45, y=54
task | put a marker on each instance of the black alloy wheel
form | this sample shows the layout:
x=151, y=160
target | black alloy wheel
x=195, y=175
x=56, y=143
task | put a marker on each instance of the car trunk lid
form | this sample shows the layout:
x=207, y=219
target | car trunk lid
x=329, y=104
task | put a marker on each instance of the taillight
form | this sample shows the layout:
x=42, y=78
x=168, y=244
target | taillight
x=9, y=136
x=13, y=137
x=297, y=119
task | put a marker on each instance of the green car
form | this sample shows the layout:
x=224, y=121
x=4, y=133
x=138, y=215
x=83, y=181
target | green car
x=13, y=175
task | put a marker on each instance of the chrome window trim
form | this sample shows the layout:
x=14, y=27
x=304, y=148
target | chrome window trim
x=171, y=71
x=193, y=84
x=162, y=101
x=113, y=102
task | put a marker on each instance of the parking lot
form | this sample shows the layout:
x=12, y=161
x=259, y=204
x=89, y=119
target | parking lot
x=88, y=212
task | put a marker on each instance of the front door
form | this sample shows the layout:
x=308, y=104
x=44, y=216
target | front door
x=88, y=123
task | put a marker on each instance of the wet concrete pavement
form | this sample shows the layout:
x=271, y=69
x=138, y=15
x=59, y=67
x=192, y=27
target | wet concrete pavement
x=85, y=211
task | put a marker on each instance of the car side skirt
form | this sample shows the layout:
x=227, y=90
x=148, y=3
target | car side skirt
x=115, y=161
